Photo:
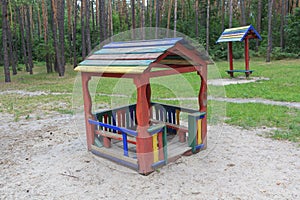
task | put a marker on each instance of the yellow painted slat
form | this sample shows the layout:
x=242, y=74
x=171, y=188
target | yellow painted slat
x=107, y=69
x=178, y=117
x=235, y=29
x=199, y=123
x=233, y=35
x=155, y=148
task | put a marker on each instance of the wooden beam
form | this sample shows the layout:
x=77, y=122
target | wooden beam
x=202, y=101
x=230, y=58
x=144, y=149
x=247, y=56
x=172, y=71
x=90, y=128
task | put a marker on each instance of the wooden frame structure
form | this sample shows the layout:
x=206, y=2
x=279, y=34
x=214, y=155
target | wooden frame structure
x=243, y=33
x=145, y=126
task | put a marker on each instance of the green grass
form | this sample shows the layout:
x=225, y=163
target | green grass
x=251, y=115
x=284, y=85
x=58, y=97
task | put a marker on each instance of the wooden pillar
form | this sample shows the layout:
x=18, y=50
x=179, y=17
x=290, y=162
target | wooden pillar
x=90, y=129
x=144, y=147
x=247, y=56
x=202, y=101
x=230, y=58
x=148, y=95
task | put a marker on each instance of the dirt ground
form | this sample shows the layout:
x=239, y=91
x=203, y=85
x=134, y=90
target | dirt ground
x=47, y=159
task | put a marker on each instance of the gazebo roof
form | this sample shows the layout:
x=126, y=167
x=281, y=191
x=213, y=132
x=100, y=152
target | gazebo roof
x=238, y=34
x=140, y=56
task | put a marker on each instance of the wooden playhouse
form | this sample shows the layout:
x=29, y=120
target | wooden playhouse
x=138, y=135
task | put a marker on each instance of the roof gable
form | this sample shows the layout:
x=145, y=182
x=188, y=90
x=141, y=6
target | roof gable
x=238, y=34
x=135, y=57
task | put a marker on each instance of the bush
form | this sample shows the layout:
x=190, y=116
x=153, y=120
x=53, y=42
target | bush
x=278, y=54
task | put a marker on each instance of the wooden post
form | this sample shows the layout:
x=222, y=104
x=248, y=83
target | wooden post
x=202, y=100
x=247, y=56
x=144, y=147
x=230, y=58
x=90, y=129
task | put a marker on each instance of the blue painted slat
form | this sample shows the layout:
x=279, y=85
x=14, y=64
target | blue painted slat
x=123, y=130
x=135, y=50
x=158, y=164
x=142, y=44
x=125, y=144
x=132, y=42
x=117, y=160
x=116, y=62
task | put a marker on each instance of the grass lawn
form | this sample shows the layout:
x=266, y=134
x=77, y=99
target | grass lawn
x=284, y=85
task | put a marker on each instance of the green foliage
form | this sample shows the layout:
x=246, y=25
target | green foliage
x=279, y=54
x=292, y=30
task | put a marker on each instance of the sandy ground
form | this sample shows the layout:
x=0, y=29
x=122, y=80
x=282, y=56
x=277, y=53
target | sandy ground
x=47, y=159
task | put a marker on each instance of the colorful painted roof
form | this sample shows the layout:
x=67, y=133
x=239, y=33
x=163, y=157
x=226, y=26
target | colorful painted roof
x=137, y=56
x=238, y=34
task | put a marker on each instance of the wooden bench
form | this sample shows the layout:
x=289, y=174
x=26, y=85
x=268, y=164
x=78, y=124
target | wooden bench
x=115, y=136
x=247, y=72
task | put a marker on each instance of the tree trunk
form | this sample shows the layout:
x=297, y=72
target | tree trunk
x=4, y=41
x=74, y=34
x=55, y=42
x=110, y=19
x=92, y=14
x=282, y=24
x=223, y=15
x=157, y=16
x=39, y=22
x=61, y=36
x=125, y=11
x=175, y=18
x=143, y=19
x=28, y=40
x=197, y=18
x=23, y=43
x=230, y=13
x=269, y=48
x=258, y=21
x=87, y=27
x=82, y=16
x=12, y=53
x=207, y=25
x=45, y=22
x=150, y=12
x=103, y=32
x=69, y=13
x=97, y=13
x=31, y=21
x=169, y=16
x=133, y=18
x=243, y=16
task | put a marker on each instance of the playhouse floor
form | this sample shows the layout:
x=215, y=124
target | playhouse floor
x=175, y=149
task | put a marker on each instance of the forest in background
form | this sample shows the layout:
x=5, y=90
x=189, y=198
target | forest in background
x=65, y=31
